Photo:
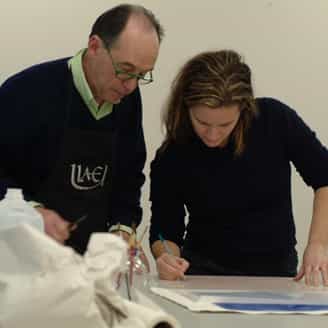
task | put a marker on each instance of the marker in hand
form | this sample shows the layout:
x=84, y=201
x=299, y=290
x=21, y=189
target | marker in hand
x=168, y=250
x=166, y=246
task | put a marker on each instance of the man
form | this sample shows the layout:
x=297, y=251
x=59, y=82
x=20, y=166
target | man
x=71, y=130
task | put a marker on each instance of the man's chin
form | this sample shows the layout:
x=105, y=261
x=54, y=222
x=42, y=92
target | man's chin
x=114, y=97
x=115, y=101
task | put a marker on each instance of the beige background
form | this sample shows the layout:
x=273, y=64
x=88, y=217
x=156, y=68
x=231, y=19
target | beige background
x=284, y=41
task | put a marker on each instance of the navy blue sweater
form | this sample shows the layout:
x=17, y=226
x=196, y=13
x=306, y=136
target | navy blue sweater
x=34, y=114
x=239, y=208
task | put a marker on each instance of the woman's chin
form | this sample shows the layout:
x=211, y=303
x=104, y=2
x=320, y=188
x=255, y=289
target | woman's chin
x=215, y=144
x=212, y=144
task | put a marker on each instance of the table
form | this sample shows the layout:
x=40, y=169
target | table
x=235, y=320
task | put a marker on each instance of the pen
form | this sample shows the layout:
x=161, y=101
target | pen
x=169, y=251
x=73, y=225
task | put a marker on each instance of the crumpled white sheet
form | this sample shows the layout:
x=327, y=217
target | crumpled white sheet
x=45, y=284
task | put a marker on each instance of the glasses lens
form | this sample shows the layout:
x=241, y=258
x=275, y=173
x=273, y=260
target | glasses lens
x=123, y=75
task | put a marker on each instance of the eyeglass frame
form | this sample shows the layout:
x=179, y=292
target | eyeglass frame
x=117, y=70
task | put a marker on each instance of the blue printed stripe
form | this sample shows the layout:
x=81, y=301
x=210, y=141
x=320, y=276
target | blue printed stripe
x=273, y=307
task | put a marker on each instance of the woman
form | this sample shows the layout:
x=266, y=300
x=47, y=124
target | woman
x=226, y=161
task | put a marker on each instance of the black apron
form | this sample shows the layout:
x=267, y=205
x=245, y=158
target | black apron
x=79, y=183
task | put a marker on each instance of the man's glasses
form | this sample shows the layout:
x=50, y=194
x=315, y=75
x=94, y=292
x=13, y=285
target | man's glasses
x=144, y=78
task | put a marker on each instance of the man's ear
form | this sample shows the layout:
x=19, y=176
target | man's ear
x=94, y=44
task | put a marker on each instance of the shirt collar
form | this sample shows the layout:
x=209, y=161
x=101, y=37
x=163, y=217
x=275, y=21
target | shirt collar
x=82, y=86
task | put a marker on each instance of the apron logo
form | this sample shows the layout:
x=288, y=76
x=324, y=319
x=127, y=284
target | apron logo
x=86, y=178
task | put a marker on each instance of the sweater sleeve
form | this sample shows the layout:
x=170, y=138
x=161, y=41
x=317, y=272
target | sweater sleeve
x=304, y=149
x=29, y=120
x=167, y=205
x=17, y=132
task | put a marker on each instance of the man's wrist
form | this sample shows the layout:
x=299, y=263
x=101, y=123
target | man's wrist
x=35, y=204
x=121, y=227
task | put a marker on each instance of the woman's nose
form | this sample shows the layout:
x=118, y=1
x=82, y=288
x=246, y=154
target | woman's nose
x=213, y=133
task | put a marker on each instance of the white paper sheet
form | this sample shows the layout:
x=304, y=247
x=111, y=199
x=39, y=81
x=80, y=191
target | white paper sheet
x=296, y=299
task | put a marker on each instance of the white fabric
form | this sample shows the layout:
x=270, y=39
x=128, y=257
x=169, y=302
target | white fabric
x=45, y=284
x=15, y=210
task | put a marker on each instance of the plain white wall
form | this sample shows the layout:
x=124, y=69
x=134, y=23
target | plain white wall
x=284, y=41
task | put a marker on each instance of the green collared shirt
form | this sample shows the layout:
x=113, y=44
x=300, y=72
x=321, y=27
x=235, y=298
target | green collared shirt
x=82, y=86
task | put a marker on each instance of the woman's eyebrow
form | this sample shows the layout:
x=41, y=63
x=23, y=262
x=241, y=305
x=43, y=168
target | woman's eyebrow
x=209, y=124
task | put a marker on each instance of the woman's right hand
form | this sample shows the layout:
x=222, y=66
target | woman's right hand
x=171, y=267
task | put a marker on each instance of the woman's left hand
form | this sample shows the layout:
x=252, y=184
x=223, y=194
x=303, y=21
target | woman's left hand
x=315, y=265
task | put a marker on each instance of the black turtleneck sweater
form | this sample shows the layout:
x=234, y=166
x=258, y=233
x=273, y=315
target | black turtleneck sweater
x=240, y=208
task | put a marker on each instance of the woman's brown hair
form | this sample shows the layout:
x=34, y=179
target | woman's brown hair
x=214, y=79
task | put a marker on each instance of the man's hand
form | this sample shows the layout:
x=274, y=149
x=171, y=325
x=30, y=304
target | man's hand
x=55, y=226
x=124, y=235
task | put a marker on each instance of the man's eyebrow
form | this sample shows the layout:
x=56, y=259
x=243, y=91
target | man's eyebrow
x=129, y=65
x=126, y=64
